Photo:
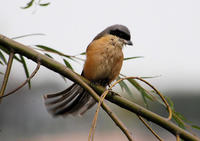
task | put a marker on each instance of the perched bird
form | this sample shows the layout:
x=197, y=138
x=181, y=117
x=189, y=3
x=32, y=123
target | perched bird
x=104, y=58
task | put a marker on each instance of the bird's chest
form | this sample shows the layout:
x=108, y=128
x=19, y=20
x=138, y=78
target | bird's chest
x=110, y=57
x=108, y=64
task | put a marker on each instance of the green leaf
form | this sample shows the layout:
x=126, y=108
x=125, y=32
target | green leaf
x=181, y=117
x=44, y=4
x=178, y=120
x=25, y=69
x=83, y=53
x=68, y=64
x=16, y=58
x=1, y=62
x=149, y=77
x=2, y=57
x=124, y=86
x=143, y=92
x=196, y=127
x=48, y=49
x=29, y=4
x=120, y=84
x=48, y=55
x=1, y=73
x=128, y=58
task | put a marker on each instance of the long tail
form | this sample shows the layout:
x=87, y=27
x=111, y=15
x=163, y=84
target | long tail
x=74, y=100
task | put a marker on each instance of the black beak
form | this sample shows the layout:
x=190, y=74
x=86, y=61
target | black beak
x=129, y=42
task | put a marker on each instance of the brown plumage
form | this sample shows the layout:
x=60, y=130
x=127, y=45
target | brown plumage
x=104, y=58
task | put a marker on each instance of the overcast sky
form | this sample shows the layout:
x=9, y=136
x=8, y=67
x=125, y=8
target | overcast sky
x=166, y=33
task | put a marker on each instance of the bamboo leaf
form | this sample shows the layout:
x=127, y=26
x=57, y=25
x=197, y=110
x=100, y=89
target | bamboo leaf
x=29, y=4
x=182, y=117
x=48, y=55
x=196, y=127
x=16, y=58
x=44, y=4
x=128, y=58
x=120, y=84
x=68, y=64
x=148, y=77
x=141, y=90
x=48, y=49
x=124, y=86
x=25, y=70
x=1, y=62
x=178, y=120
x=83, y=53
x=2, y=57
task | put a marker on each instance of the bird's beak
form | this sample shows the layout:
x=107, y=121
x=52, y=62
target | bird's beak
x=128, y=42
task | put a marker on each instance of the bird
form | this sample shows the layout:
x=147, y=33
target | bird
x=104, y=58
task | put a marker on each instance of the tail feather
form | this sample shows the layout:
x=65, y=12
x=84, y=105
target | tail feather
x=81, y=103
x=60, y=97
x=73, y=107
x=59, y=93
x=73, y=100
x=91, y=102
x=62, y=104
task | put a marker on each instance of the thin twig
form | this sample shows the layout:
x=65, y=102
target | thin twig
x=25, y=82
x=7, y=73
x=177, y=137
x=153, y=132
x=92, y=129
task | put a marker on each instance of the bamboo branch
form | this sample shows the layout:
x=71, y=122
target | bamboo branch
x=112, y=97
